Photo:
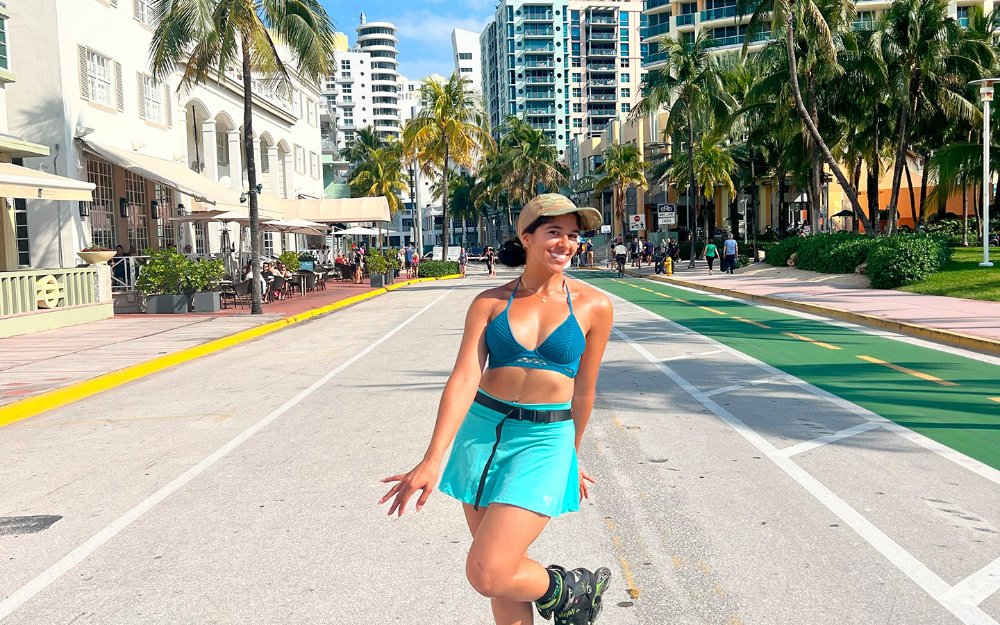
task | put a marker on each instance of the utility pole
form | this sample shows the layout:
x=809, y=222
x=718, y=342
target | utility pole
x=986, y=91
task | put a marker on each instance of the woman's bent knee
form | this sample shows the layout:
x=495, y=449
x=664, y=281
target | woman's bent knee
x=487, y=578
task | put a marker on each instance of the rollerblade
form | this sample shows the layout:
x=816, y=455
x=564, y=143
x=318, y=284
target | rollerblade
x=580, y=596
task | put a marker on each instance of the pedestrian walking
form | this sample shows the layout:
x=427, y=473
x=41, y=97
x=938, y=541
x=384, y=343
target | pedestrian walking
x=648, y=252
x=517, y=424
x=590, y=253
x=711, y=251
x=730, y=249
x=491, y=259
x=463, y=260
x=416, y=265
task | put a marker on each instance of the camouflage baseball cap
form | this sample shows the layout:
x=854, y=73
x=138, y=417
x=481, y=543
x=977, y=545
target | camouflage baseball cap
x=555, y=204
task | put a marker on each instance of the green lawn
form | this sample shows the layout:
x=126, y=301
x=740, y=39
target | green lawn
x=963, y=277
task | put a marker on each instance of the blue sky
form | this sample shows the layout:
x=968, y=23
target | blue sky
x=424, y=27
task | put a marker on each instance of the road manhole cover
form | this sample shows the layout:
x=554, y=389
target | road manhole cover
x=17, y=525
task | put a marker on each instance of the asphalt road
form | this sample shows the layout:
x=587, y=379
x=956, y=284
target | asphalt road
x=242, y=487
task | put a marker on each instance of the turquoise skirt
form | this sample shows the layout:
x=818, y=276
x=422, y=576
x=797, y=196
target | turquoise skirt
x=534, y=468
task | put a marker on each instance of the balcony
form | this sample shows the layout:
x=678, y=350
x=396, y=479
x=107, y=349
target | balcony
x=602, y=96
x=540, y=95
x=543, y=80
x=737, y=40
x=685, y=20
x=538, y=63
x=652, y=5
x=540, y=110
x=717, y=13
x=654, y=59
x=601, y=67
x=529, y=48
x=537, y=16
x=602, y=52
x=599, y=20
x=602, y=82
x=539, y=31
x=601, y=112
x=602, y=36
x=655, y=31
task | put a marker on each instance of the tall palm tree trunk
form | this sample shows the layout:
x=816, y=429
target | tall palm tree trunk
x=444, y=205
x=872, y=187
x=692, y=213
x=845, y=184
x=923, y=186
x=897, y=172
x=965, y=215
x=256, y=299
x=913, y=197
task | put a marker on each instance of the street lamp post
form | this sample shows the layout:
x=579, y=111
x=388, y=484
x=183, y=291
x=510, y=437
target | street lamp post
x=986, y=91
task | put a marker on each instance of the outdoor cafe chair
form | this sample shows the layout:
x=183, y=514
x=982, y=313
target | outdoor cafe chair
x=241, y=292
x=310, y=278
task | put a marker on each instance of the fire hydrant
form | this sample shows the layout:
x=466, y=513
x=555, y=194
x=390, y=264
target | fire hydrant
x=668, y=265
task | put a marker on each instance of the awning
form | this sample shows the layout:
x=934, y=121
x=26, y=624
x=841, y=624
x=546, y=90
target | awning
x=30, y=184
x=170, y=173
x=342, y=210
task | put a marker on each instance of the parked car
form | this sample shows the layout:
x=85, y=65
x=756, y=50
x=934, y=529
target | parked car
x=435, y=254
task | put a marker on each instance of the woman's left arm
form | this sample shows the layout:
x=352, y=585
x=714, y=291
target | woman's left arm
x=600, y=313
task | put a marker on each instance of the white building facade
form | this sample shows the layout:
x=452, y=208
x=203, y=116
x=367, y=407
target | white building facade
x=468, y=57
x=92, y=100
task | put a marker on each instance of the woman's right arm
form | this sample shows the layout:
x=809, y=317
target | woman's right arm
x=459, y=392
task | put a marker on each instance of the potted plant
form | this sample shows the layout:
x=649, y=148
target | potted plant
x=392, y=264
x=202, y=279
x=377, y=266
x=290, y=260
x=162, y=282
x=96, y=254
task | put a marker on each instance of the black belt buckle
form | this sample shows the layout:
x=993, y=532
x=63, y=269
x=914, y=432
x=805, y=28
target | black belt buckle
x=523, y=414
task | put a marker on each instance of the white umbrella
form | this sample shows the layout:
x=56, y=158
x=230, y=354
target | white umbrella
x=356, y=231
x=295, y=226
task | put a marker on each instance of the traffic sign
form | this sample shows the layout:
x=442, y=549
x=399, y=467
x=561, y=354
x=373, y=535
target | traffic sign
x=637, y=222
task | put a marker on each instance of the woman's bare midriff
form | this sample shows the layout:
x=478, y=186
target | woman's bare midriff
x=527, y=386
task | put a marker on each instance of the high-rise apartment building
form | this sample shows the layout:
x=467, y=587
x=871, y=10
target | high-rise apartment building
x=569, y=67
x=682, y=20
x=468, y=58
x=378, y=40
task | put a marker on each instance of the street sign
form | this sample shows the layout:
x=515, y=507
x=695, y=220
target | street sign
x=637, y=222
x=666, y=219
x=606, y=229
x=667, y=208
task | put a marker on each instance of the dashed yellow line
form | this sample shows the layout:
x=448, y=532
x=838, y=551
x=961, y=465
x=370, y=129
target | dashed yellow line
x=663, y=295
x=618, y=422
x=753, y=323
x=809, y=340
x=642, y=288
x=713, y=310
x=631, y=588
x=996, y=399
x=916, y=374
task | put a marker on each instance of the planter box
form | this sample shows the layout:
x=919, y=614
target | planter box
x=166, y=304
x=390, y=276
x=94, y=258
x=377, y=280
x=210, y=301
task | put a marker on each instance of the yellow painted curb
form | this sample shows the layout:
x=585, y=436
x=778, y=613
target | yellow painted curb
x=965, y=341
x=50, y=400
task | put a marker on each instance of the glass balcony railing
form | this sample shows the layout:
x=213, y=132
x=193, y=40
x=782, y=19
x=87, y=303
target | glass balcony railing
x=602, y=36
x=540, y=95
x=655, y=4
x=602, y=52
x=540, y=110
x=600, y=20
x=737, y=40
x=538, y=16
x=655, y=31
x=538, y=63
x=539, y=48
x=685, y=20
x=655, y=57
x=718, y=13
x=601, y=67
x=540, y=79
x=599, y=82
x=601, y=96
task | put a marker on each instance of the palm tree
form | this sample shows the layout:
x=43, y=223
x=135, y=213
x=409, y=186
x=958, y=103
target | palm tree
x=463, y=199
x=920, y=45
x=690, y=87
x=530, y=160
x=382, y=175
x=622, y=168
x=449, y=128
x=208, y=37
x=364, y=143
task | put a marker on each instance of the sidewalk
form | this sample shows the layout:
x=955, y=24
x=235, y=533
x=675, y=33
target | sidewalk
x=970, y=324
x=31, y=364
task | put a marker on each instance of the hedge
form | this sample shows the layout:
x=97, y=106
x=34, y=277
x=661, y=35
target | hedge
x=780, y=252
x=836, y=252
x=437, y=268
x=906, y=258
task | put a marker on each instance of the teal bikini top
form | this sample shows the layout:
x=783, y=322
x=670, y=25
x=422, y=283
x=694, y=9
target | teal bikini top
x=560, y=351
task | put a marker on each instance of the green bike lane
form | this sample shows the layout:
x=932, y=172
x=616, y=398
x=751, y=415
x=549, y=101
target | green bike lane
x=952, y=399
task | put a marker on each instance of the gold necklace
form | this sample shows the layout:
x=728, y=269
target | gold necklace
x=545, y=297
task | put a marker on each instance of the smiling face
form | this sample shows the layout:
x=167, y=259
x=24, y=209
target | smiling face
x=553, y=244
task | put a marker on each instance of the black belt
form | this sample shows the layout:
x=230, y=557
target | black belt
x=521, y=413
x=513, y=412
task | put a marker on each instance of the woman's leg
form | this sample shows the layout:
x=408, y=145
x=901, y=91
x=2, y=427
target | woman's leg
x=498, y=566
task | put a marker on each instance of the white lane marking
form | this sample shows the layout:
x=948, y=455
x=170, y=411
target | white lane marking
x=956, y=457
x=892, y=551
x=739, y=387
x=977, y=587
x=788, y=452
x=67, y=562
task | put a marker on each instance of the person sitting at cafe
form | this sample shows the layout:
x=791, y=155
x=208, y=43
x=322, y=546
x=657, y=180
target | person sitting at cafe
x=340, y=260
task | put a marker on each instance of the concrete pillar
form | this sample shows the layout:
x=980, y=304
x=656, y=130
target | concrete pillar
x=272, y=170
x=235, y=161
x=211, y=149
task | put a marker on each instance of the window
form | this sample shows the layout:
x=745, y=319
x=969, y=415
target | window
x=626, y=78
x=166, y=230
x=345, y=65
x=577, y=107
x=466, y=70
x=347, y=89
x=626, y=92
x=150, y=99
x=576, y=61
x=345, y=75
x=464, y=56
x=268, y=243
x=313, y=165
x=265, y=163
x=99, y=79
x=102, y=209
x=135, y=194
x=143, y=11
x=625, y=107
x=624, y=48
x=578, y=123
x=348, y=99
x=222, y=148
x=577, y=92
x=4, y=58
x=300, y=157
x=623, y=63
x=311, y=112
